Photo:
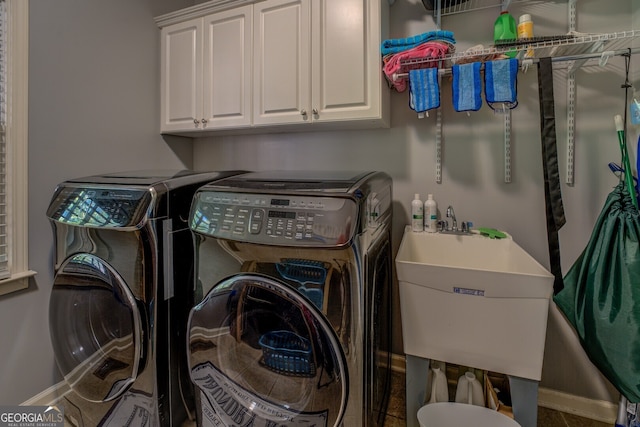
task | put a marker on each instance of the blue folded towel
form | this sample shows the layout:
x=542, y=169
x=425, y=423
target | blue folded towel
x=399, y=45
x=424, y=89
x=500, y=82
x=467, y=87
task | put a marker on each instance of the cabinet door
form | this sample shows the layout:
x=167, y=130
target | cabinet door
x=227, y=69
x=282, y=59
x=346, y=66
x=181, y=76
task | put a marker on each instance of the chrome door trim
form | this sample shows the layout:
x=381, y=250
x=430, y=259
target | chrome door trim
x=81, y=273
x=197, y=333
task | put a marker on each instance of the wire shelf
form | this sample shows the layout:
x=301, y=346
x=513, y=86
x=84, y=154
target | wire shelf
x=575, y=45
x=452, y=7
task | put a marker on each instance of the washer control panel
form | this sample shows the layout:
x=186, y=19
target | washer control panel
x=274, y=219
x=99, y=206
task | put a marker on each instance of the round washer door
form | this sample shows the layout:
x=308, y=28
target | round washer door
x=262, y=353
x=95, y=328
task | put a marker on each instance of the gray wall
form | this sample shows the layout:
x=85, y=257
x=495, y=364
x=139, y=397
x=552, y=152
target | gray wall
x=94, y=106
x=473, y=158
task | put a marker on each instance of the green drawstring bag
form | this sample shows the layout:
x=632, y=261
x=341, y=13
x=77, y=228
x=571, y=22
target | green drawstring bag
x=601, y=294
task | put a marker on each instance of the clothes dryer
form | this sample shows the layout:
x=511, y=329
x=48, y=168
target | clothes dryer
x=121, y=296
x=293, y=292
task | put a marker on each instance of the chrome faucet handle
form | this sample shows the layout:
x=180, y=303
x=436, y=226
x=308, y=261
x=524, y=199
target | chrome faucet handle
x=451, y=214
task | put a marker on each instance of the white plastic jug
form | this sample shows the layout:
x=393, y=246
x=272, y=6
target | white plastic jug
x=460, y=414
x=439, y=387
x=469, y=390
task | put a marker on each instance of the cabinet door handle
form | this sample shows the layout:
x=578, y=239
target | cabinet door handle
x=204, y=121
x=196, y=122
x=304, y=113
x=315, y=111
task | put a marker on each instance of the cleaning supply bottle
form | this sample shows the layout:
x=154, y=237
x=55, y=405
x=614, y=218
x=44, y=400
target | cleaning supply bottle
x=417, y=214
x=622, y=420
x=634, y=108
x=439, y=386
x=430, y=215
x=505, y=29
x=525, y=31
x=633, y=417
x=469, y=390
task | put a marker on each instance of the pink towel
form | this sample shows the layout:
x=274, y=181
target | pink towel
x=428, y=50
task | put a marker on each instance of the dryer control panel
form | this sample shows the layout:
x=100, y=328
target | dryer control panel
x=292, y=220
x=101, y=207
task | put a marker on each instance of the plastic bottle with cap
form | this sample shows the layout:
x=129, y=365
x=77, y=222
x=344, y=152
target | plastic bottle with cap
x=417, y=214
x=634, y=108
x=430, y=215
x=439, y=386
x=469, y=390
x=525, y=31
x=505, y=29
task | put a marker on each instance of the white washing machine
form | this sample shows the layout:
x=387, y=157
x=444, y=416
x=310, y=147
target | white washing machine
x=293, y=293
x=121, y=296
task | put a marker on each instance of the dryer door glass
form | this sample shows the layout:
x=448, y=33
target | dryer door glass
x=95, y=328
x=263, y=354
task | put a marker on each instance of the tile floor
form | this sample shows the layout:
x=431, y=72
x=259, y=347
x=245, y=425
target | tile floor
x=546, y=417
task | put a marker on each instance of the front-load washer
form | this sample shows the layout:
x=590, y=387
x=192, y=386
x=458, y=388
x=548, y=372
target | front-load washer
x=291, y=325
x=121, y=296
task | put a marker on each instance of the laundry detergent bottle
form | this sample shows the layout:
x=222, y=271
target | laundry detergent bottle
x=417, y=214
x=430, y=215
x=505, y=28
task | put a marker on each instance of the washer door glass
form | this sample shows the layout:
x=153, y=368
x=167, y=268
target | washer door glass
x=262, y=354
x=95, y=328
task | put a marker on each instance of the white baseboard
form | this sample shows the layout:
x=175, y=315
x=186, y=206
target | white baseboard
x=49, y=396
x=598, y=410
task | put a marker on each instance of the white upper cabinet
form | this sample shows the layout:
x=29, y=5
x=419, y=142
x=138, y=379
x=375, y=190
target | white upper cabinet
x=282, y=62
x=206, y=72
x=181, y=76
x=318, y=61
x=274, y=63
x=347, y=81
x=227, y=68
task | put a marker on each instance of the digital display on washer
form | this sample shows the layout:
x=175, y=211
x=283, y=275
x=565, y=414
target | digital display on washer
x=281, y=214
x=280, y=202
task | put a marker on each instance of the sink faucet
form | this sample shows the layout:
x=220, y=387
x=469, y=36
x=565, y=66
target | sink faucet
x=443, y=225
x=451, y=214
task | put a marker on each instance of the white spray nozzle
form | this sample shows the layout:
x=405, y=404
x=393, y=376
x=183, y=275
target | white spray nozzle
x=619, y=125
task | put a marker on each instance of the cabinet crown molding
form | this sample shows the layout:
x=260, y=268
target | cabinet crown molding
x=200, y=10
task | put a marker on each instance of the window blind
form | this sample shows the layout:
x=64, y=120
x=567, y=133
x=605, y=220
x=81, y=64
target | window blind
x=4, y=237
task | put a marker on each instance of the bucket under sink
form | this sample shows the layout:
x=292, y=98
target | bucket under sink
x=473, y=301
x=460, y=414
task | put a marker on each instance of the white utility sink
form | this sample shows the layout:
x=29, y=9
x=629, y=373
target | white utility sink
x=473, y=301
